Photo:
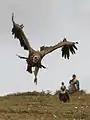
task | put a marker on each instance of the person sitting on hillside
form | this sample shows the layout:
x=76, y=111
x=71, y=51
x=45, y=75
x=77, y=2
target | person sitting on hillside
x=74, y=82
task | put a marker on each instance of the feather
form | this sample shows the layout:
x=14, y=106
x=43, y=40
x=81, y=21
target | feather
x=65, y=52
x=72, y=50
x=18, y=33
x=22, y=57
x=68, y=54
x=75, y=46
x=66, y=48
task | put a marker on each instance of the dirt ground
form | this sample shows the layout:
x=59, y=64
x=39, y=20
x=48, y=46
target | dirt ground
x=40, y=106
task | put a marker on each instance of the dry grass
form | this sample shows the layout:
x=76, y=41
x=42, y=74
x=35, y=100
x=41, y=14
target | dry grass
x=41, y=106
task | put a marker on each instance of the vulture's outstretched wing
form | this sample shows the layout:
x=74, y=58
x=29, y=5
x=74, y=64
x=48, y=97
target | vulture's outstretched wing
x=66, y=48
x=19, y=34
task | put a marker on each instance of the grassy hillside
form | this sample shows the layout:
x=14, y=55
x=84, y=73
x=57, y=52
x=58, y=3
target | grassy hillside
x=41, y=106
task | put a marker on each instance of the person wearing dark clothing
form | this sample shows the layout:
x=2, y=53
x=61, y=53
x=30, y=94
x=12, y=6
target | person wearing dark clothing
x=63, y=88
x=63, y=95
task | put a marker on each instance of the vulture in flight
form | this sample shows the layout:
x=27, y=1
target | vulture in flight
x=35, y=57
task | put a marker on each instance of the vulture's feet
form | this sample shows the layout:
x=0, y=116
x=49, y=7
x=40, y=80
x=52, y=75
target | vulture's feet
x=35, y=80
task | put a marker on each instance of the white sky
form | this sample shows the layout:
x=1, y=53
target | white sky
x=46, y=23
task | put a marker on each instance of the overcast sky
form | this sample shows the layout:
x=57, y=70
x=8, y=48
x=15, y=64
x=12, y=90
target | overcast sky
x=46, y=22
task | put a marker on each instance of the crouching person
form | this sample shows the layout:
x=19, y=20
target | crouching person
x=63, y=95
x=76, y=82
